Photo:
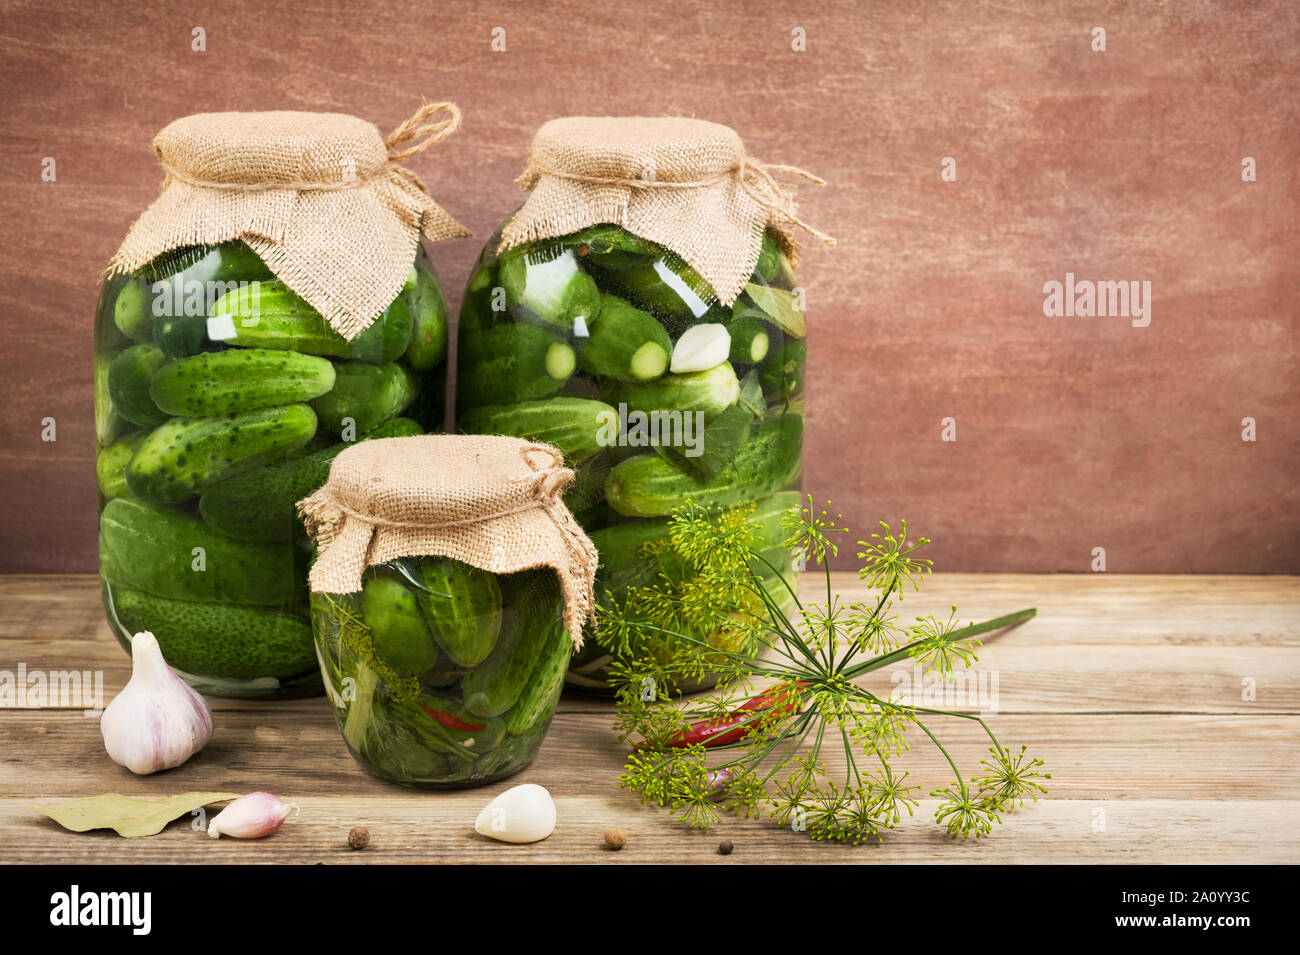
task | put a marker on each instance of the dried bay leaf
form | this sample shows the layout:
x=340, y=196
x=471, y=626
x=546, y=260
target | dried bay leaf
x=128, y=815
x=776, y=306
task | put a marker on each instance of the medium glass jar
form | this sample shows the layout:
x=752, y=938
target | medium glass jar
x=443, y=675
x=612, y=349
x=220, y=400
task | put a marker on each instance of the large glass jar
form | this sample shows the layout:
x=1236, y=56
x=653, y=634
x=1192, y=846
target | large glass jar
x=220, y=400
x=443, y=675
x=612, y=349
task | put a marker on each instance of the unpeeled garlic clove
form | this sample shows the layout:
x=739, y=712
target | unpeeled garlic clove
x=251, y=817
x=525, y=813
x=700, y=348
x=158, y=720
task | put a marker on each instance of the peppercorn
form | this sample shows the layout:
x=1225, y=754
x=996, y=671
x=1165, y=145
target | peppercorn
x=614, y=839
x=725, y=847
x=359, y=837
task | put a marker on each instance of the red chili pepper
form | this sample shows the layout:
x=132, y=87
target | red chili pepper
x=723, y=730
x=452, y=722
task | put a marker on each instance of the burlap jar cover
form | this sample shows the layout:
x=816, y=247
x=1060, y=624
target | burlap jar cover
x=685, y=184
x=319, y=196
x=492, y=502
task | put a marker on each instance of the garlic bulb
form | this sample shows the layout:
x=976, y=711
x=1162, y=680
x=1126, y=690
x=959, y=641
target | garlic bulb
x=158, y=720
x=700, y=348
x=251, y=817
x=523, y=814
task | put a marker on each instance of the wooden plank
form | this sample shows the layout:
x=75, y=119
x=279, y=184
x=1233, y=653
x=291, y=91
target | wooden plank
x=416, y=828
x=1091, y=757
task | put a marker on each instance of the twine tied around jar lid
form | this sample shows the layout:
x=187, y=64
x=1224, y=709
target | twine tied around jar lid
x=493, y=502
x=321, y=197
x=686, y=184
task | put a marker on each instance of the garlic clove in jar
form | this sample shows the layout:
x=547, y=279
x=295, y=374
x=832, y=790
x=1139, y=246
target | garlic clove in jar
x=523, y=814
x=700, y=348
x=251, y=817
x=158, y=721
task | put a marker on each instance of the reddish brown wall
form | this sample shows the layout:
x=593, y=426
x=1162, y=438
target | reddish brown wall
x=1072, y=433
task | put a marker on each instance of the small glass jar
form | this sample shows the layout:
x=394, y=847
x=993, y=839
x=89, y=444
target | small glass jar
x=443, y=676
x=220, y=400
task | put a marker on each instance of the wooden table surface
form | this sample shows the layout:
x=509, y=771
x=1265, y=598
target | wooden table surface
x=1131, y=688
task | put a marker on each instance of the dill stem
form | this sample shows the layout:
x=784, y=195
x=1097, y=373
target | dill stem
x=778, y=617
x=997, y=623
x=805, y=724
x=957, y=773
x=880, y=605
x=848, y=752
x=781, y=576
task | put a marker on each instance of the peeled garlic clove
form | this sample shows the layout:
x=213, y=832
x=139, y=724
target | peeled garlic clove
x=158, y=720
x=523, y=814
x=251, y=817
x=700, y=348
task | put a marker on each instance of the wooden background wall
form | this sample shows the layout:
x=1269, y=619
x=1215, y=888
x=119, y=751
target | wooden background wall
x=1072, y=433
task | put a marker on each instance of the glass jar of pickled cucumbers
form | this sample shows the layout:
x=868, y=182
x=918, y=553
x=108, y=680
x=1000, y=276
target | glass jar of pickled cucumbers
x=613, y=349
x=443, y=675
x=221, y=398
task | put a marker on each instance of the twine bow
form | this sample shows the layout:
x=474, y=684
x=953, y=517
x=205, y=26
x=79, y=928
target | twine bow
x=410, y=131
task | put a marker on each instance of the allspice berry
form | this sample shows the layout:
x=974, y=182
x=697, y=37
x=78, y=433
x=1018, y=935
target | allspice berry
x=359, y=837
x=725, y=847
x=615, y=839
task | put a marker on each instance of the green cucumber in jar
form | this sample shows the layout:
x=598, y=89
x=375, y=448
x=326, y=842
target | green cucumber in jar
x=182, y=457
x=536, y=704
x=167, y=554
x=132, y=310
x=781, y=375
x=111, y=462
x=367, y=395
x=514, y=362
x=574, y=425
x=129, y=377
x=625, y=343
x=711, y=391
x=271, y=315
x=108, y=423
x=400, y=636
x=462, y=605
x=261, y=506
x=623, y=564
x=773, y=266
x=650, y=486
x=663, y=285
x=547, y=284
x=530, y=618
x=750, y=341
x=429, y=324
x=228, y=641
x=236, y=380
